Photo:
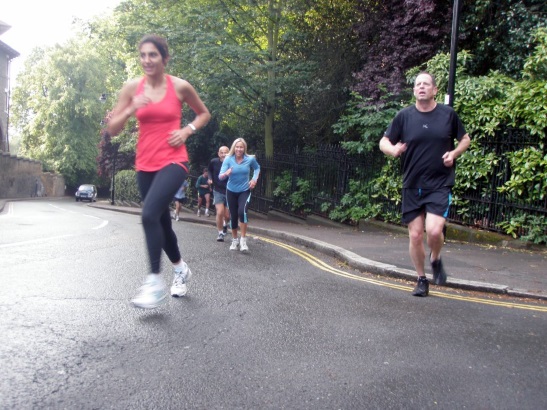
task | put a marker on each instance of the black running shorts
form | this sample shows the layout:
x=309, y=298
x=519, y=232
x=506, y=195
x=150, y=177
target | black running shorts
x=417, y=201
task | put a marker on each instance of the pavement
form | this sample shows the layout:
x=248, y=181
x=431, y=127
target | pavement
x=474, y=260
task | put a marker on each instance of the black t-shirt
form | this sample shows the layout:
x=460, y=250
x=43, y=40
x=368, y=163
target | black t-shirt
x=214, y=170
x=428, y=136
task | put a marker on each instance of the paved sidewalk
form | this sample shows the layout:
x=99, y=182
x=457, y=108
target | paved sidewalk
x=507, y=267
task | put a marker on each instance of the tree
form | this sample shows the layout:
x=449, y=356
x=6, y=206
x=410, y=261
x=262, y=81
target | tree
x=269, y=71
x=268, y=68
x=325, y=37
x=499, y=33
x=57, y=108
x=118, y=57
x=248, y=69
x=395, y=36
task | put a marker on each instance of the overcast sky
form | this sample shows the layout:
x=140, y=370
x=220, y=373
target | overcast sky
x=44, y=23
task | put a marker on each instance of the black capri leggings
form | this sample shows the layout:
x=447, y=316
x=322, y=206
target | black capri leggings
x=237, y=205
x=157, y=191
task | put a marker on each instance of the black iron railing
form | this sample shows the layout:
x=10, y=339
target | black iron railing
x=327, y=171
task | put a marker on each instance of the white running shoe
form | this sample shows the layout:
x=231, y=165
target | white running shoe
x=199, y=212
x=180, y=280
x=151, y=294
x=176, y=218
x=207, y=213
x=243, y=244
x=234, y=245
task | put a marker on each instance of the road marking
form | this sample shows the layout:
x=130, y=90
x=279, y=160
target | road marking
x=8, y=245
x=100, y=226
x=9, y=212
x=104, y=222
x=324, y=266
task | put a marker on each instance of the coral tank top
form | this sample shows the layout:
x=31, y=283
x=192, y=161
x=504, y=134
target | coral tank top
x=156, y=121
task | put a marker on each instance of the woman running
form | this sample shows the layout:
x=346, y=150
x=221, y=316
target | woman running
x=237, y=168
x=156, y=101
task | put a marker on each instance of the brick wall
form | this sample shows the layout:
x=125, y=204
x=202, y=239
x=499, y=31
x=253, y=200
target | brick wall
x=23, y=178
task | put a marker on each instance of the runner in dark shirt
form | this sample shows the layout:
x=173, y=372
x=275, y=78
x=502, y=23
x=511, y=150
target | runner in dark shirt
x=219, y=193
x=424, y=136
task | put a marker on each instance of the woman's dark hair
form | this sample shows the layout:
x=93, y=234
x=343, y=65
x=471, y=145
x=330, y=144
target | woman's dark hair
x=160, y=44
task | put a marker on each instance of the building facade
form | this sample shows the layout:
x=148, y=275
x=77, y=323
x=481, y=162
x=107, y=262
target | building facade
x=6, y=55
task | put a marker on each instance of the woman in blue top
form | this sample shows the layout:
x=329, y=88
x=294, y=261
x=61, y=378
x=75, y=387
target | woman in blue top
x=237, y=167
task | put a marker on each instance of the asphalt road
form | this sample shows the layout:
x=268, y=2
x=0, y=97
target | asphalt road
x=277, y=328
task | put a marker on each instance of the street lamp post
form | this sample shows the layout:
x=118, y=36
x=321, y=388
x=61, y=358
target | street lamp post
x=113, y=183
x=449, y=98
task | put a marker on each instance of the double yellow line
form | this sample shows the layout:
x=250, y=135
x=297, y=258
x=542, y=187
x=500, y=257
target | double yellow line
x=325, y=267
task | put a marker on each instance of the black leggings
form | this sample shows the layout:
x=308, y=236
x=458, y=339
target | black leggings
x=237, y=205
x=157, y=191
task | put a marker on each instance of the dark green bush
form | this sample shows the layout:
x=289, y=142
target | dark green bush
x=126, y=187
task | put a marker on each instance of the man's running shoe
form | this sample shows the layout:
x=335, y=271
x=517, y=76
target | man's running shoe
x=439, y=274
x=199, y=212
x=180, y=280
x=243, y=244
x=207, y=213
x=176, y=218
x=234, y=245
x=220, y=237
x=422, y=287
x=151, y=294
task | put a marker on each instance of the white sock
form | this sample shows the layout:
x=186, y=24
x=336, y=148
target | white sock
x=178, y=266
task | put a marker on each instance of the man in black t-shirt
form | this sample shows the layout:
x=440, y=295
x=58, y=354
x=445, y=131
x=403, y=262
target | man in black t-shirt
x=219, y=193
x=424, y=135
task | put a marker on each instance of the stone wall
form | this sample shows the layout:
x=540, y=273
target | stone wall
x=23, y=178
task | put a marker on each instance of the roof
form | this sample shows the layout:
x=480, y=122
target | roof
x=10, y=52
x=4, y=27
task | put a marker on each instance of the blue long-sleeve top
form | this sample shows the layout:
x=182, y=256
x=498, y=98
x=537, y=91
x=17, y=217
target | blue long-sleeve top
x=239, y=178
